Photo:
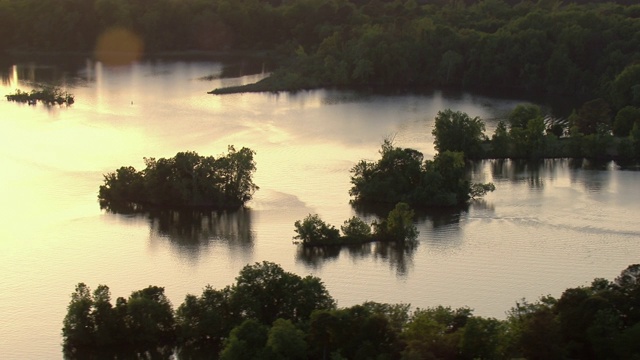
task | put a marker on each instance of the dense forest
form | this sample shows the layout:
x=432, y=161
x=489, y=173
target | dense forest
x=273, y=314
x=585, y=48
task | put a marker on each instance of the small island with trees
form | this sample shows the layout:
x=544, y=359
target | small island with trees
x=397, y=227
x=186, y=181
x=402, y=175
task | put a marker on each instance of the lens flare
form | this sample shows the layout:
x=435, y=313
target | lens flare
x=118, y=46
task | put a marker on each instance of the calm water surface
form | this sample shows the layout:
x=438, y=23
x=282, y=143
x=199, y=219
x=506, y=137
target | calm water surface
x=548, y=226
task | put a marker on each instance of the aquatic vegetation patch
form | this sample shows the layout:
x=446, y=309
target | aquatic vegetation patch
x=47, y=95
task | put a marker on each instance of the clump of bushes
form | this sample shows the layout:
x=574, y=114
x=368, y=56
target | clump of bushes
x=397, y=227
x=46, y=95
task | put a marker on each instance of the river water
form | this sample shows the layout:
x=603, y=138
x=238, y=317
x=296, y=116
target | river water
x=548, y=226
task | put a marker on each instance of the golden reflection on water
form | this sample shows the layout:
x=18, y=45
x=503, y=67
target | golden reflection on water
x=548, y=226
x=13, y=83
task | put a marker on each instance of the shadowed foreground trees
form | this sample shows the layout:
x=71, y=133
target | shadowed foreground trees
x=142, y=323
x=272, y=314
x=187, y=180
x=146, y=322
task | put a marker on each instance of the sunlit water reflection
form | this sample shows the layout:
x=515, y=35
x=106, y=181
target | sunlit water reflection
x=548, y=226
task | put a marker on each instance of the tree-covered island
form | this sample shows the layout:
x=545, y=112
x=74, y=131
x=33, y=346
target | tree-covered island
x=271, y=314
x=397, y=227
x=402, y=175
x=187, y=180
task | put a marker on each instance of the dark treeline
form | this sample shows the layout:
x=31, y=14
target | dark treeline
x=187, y=180
x=541, y=47
x=575, y=48
x=535, y=47
x=273, y=314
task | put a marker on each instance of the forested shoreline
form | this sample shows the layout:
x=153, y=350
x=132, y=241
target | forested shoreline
x=590, y=132
x=269, y=313
x=579, y=50
x=584, y=51
x=575, y=48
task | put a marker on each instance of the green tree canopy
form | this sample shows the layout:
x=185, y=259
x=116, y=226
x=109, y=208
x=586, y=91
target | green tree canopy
x=79, y=325
x=520, y=116
x=186, y=180
x=398, y=226
x=592, y=114
x=358, y=332
x=264, y=291
x=401, y=176
x=247, y=341
x=435, y=332
x=356, y=229
x=203, y=322
x=583, y=48
x=286, y=341
x=625, y=119
x=150, y=317
x=458, y=132
x=314, y=230
x=143, y=322
x=626, y=87
x=272, y=314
